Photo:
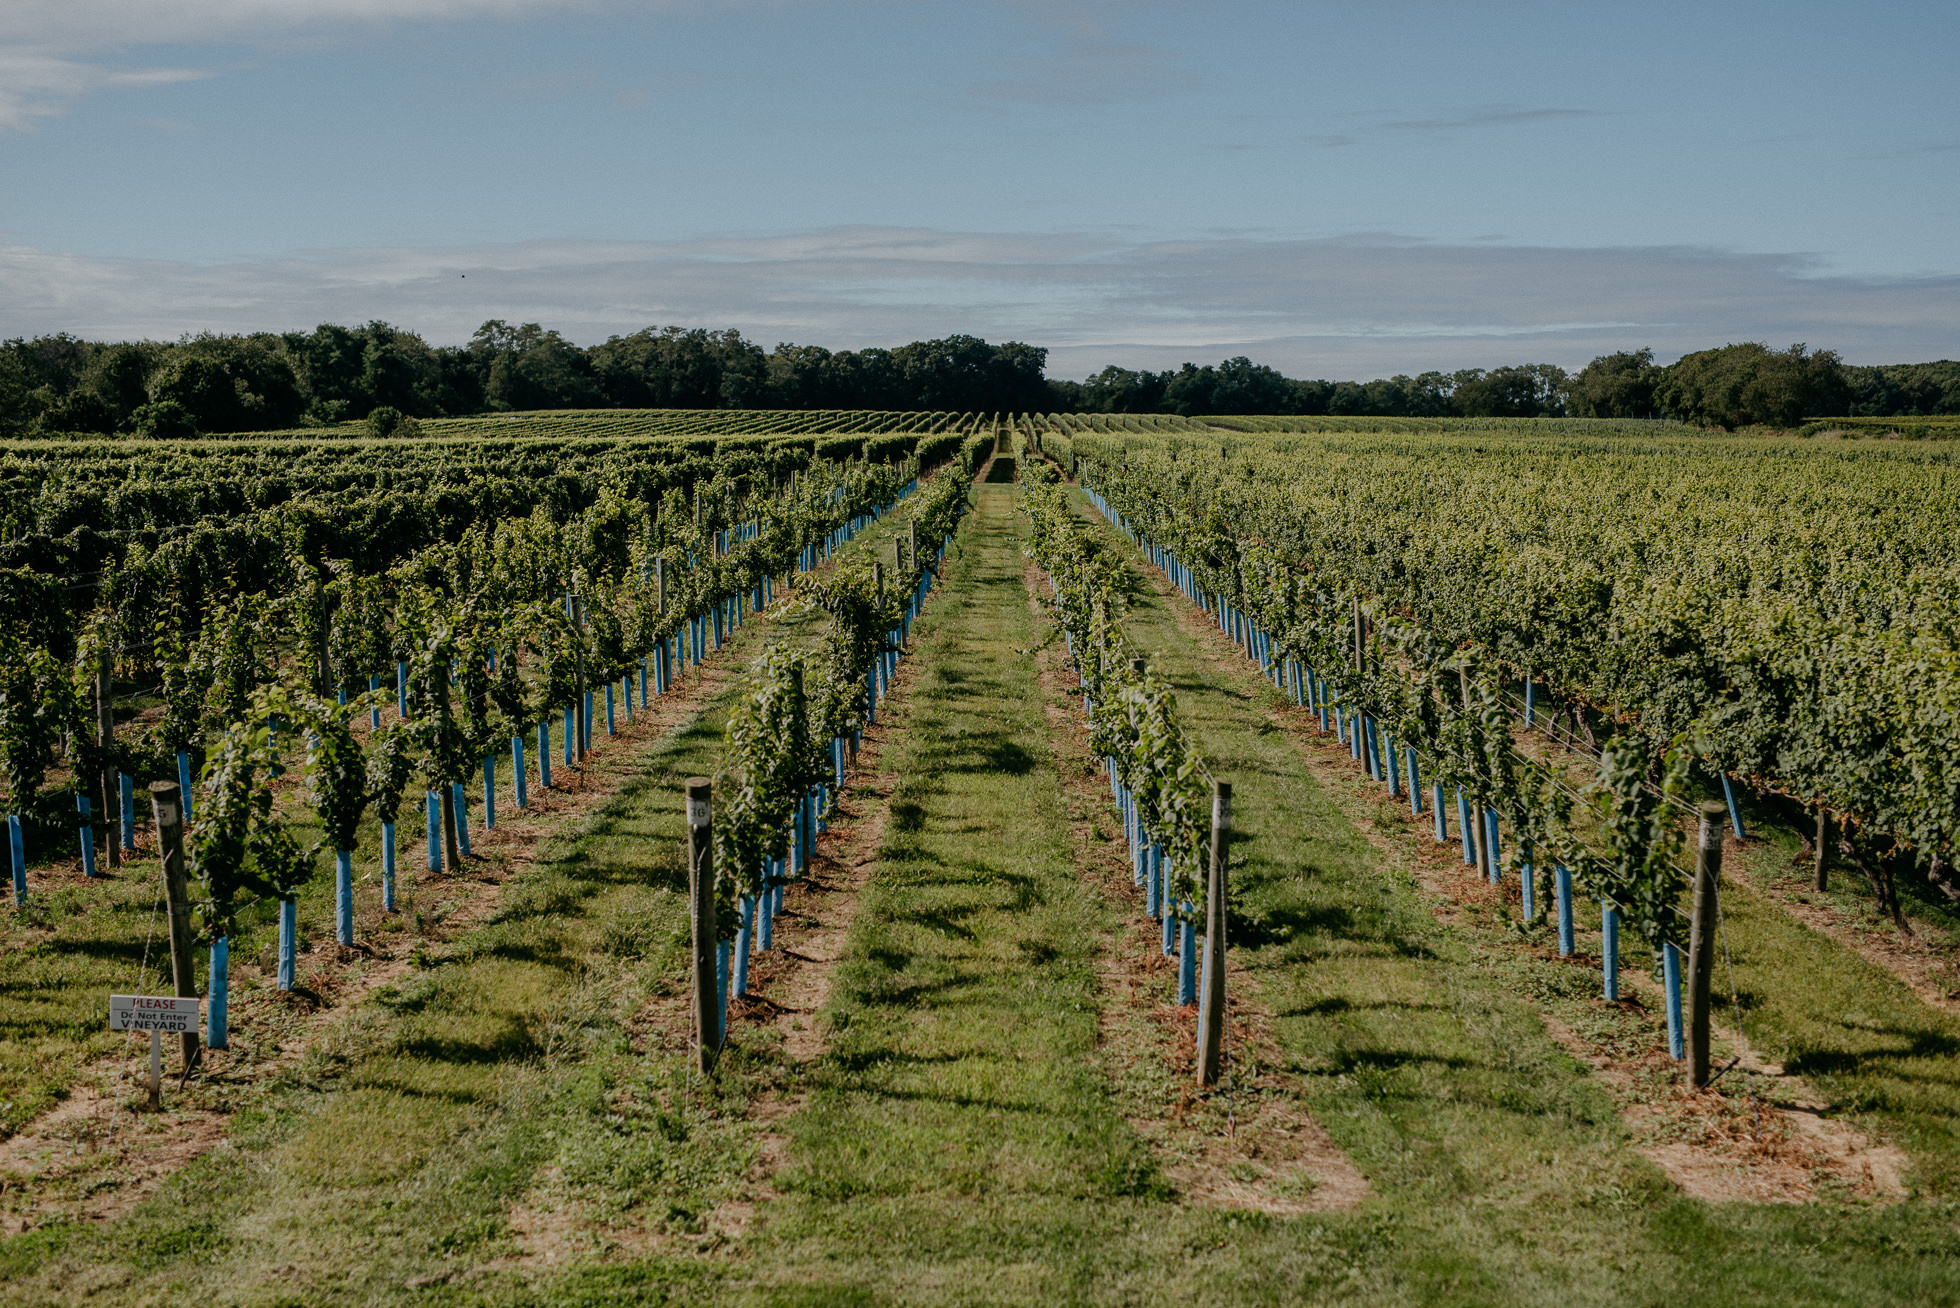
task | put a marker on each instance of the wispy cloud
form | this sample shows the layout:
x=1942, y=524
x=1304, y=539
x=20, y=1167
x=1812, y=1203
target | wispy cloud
x=1375, y=126
x=1490, y=115
x=52, y=52
x=35, y=85
x=1355, y=306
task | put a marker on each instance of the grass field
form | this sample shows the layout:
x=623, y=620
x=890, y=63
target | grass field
x=992, y=1105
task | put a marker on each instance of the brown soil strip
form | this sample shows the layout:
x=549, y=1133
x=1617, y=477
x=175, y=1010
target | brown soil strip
x=103, y=1142
x=1764, y=1140
x=1771, y=1145
x=1248, y=1144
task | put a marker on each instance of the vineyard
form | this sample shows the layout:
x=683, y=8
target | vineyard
x=864, y=857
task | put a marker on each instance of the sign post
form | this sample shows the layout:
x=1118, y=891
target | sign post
x=155, y=1014
x=177, y=898
x=701, y=920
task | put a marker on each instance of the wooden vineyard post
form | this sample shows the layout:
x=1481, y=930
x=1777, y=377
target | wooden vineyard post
x=445, y=814
x=110, y=788
x=1211, y=994
x=1823, y=865
x=156, y=1071
x=165, y=802
x=1701, y=938
x=660, y=666
x=701, y=918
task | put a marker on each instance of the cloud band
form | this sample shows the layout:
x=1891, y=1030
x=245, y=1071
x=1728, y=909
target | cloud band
x=1360, y=305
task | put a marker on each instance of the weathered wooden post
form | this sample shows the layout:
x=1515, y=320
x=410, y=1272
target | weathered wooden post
x=1211, y=995
x=701, y=918
x=164, y=801
x=110, y=787
x=1701, y=938
x=662, y=672
x=1822, y=854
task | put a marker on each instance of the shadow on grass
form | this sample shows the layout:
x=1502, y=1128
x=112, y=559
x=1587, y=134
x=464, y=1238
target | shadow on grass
x=514, y=1042
x=1882, y=1061
x=947, y=919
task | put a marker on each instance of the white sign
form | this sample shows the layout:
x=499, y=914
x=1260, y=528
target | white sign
x=152, y=1013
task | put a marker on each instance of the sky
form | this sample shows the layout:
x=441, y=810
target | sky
x=1348, y=188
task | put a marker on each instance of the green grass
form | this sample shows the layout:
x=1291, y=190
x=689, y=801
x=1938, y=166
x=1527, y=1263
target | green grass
x=959, y=1127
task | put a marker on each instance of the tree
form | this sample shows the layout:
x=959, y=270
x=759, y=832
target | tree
x=231, y=383
x=1749, y=384
x=386, y=420
x=682, y=368
x=399, y=369
x=1908, y=390
x=164, y=420
x=1616, y=386
x=18, y=404
x=528, y=367
x=1531, y=390
x=966, y=373
x=329, y=363
x=1236, y=386
x=1119, y=390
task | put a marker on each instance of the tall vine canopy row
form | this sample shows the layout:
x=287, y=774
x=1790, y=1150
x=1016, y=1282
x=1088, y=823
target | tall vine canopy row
x=1789, y=612
x=84, y=522
x=183, y=635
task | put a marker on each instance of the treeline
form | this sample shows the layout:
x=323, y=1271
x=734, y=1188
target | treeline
x=1734, y=386
x=265, y=381
x=1242, y=386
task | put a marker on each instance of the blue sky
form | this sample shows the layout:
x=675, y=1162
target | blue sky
x=1341, y=189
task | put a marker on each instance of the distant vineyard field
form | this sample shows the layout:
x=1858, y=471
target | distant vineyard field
x=1944, y=427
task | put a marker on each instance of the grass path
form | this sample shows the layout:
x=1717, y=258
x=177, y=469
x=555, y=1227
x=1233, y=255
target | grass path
x=959, y=1143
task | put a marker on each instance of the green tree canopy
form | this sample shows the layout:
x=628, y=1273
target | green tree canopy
x=1742, y=385
x=1615, y=386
